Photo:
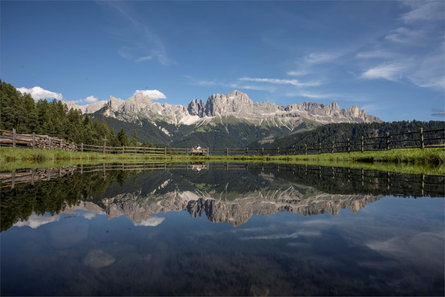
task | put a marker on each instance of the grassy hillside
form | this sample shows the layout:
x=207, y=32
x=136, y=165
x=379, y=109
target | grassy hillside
x=226, y=132
x=220, y=132
x=145, y=131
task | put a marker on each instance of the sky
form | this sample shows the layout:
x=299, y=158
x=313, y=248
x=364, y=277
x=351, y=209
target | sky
x=387, y=57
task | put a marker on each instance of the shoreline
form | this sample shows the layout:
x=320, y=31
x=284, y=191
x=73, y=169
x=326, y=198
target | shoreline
x=411, y=161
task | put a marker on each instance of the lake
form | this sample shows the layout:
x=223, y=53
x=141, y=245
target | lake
x=220, y=229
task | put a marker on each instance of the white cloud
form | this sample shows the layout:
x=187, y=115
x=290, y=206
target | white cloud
x=201, y=82
x=89, y=215
x=143, y=40
x=143, y=59
x=124, y=53
x=235, y=85
x=293, y=82
x=150, y=222
x=405, y=35
x=153, y=94
x=311, y=95
x=391, y=72
x=296, y=234
x=430, y=72
x=424, y=11
x=252, y=87
x=38, y=93
x=316, y=58
x=34, y=221
x=375, y=54
x=90, y=99
x=297, y=73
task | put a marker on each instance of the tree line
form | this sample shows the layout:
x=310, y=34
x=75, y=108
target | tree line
x=20, y=111
x=343, y=131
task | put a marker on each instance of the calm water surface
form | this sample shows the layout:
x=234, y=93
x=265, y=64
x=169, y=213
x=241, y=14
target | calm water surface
x=221, y=229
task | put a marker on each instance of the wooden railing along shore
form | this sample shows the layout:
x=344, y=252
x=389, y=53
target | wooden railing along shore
x=11, y=138
x=412, y=139
x=360, y=180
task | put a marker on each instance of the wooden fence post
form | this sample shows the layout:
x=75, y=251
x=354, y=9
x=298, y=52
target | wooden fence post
x=423, y=184
x=294, y=149
x=262, y=151
x=14, y=138
x=208, y=151
x=362, y=147
x=387, y=140
x=278, y=150
x=105, y=143
x=227, y=151
x=49, y=142
x=60, y=143
x=349, y=145
x=422, y=142
x=123, y=149
x=13, y=176
x=33, y=139
x=81, y=147
x=319, y=147
x=333, y=147
x=247, y=151
x=165, y=151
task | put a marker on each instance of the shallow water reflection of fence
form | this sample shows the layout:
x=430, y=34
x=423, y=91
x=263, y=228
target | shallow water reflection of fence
x=335, y=180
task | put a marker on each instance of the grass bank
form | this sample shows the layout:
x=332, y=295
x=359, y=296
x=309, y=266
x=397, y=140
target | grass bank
x=426, y=161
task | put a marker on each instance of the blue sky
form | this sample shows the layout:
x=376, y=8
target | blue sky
x=385, y=56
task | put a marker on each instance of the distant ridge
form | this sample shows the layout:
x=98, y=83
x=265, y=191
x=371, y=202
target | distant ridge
x=223, y=120
x=235, y=104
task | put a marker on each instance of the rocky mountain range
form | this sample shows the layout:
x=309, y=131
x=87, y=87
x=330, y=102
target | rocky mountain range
x=140, y=208
x=236, y=104
x=222, y=196
x=221, y=116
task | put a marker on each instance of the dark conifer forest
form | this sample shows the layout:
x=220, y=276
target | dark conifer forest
x=20, y=111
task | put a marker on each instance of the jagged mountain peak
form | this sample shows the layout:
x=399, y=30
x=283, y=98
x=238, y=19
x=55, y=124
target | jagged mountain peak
x=114, y=103
x=234, y=104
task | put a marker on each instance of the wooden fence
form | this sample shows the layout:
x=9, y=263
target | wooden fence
x=140, y=150
x=413, y=139
x=333, y=180
x=11, y=138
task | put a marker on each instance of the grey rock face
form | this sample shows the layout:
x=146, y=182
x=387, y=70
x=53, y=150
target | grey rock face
x=196, y=108
x=236, y=104
x=138, y=208
x=229, y=104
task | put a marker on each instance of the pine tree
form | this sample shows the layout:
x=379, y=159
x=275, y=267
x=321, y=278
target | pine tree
x=122, y=138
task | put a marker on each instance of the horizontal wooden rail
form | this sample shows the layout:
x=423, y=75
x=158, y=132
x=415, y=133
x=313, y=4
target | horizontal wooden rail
x=389, y=141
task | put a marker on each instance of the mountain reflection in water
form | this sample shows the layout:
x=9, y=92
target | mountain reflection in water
x=149, y=229
x=229, y=193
